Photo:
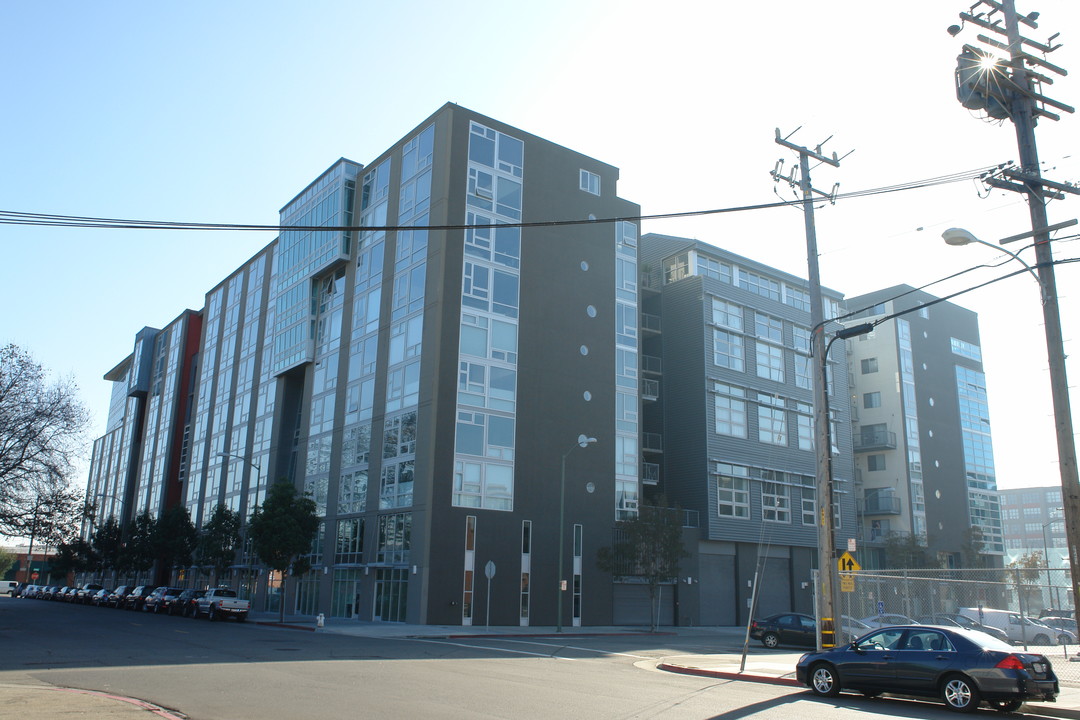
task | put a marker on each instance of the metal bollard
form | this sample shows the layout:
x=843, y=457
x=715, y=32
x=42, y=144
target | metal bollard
x=320, y=621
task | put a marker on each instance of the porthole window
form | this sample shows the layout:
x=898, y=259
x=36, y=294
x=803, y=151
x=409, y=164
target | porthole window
x=591, y=311
x=587, y=395
x=584, y=266
x=584, y=349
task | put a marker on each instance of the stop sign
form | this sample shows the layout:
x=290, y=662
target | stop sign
x=34, y=576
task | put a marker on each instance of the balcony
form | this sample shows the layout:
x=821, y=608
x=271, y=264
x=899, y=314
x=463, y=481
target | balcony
x=651, y=364
x=876, y=440
x=880, y=504
x=652, y=442
x=650, y=473
x=650, y=389
x=650, y=323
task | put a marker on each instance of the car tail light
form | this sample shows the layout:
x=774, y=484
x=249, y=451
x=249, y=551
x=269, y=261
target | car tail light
x=1010, y=662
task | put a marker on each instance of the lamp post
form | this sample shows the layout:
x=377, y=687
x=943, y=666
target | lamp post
x=582, y=441
x=1059, y=383
x=1046, y=558
x=827, y=573
x=258, y=480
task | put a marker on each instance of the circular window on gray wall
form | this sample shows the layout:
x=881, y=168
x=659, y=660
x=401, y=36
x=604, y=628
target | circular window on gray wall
x=584, y=266
x=591, y=311
x=587, y=395
x=584, y=349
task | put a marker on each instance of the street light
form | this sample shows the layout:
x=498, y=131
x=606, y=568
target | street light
x=1046, y=556
x=252, y=463
x=1059, y=382
x=582, y=441
x=959, y=236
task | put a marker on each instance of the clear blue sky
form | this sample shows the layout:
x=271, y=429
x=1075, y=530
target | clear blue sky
x=222, y=112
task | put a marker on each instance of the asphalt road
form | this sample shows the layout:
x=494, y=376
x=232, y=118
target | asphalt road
x=225, y=671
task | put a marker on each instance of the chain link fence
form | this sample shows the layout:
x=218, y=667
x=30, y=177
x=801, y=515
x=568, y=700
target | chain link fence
x=1011, y=599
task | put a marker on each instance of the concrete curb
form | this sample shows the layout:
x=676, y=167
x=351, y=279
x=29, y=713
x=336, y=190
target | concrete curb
x=747, y=677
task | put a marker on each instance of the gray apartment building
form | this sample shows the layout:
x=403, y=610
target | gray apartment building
x=1034, y=521
x=921, y=428
x=728, y=425
x=426, y=386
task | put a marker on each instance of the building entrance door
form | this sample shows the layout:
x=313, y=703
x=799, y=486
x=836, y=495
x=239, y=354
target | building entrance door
x=391, y=594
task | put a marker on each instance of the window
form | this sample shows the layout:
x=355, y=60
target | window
x=727, y=314
x=869, y=365
x=589, y=182
x=769, y=328
x=770, y=362
x=875, y=462
x=871, y=400
x=350, y=541
x=775, y=503
x=730, y=407
x=733, y=491
x=966, y=349
x=806, y=432
x=728, y=350
x=772, y=420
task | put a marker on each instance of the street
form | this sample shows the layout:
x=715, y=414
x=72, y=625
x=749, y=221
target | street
x=224, y=671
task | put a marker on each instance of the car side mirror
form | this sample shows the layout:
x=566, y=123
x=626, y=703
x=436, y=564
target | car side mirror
x=854, y=645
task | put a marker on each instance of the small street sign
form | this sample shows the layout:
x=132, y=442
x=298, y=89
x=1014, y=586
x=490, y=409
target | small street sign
x=847, y=583
x=846, y=563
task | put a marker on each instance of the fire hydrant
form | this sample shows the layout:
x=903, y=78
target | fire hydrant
x=320, y=621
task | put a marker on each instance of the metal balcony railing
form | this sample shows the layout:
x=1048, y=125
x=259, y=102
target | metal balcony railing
x=650, y=473
x=876, y=440
x=880, y=505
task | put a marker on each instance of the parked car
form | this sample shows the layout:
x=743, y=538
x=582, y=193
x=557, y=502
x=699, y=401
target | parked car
x=82, y=595
x=161, y=598
x=222, y=602
x=100, y=598
x=954, y=620
x=876, y=621
x=799, y=629
x=134, y=600
x=186, y=603
x=116, y=597
x=49, y=593
x=1056, y=612
x=69, y=593
x=1019, y=629
x=1060, y=623
x=785, y=629
x=961, y=667
x=10, y=587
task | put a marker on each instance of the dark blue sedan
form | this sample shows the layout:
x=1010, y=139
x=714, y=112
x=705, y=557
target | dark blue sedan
x=961, y=667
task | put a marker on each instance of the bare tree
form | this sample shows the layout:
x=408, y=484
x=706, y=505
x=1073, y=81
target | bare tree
x=42, y=429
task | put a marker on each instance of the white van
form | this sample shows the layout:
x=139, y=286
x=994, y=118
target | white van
x=9, y=587
x=1031, y=631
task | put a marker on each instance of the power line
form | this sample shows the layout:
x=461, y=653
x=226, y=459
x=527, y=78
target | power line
x=12, y=217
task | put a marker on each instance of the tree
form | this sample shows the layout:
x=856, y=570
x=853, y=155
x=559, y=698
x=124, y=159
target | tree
x=75, y=556
x=42, y=429
x=107, y=546
x=175, y=538
x=7, y=561
x=282, y=531
x=1026, y=570
x=649, y=546
x=905, y=551
x=139, y=550
x=218, y=540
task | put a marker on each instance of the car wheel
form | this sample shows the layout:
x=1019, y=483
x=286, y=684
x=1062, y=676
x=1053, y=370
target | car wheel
x=1041, y=639
x=241, y=618
x=960, y=694
x=1006, y=705
x=1064, y=640
x=211, y=615
x=824, y=681
x=770, y=640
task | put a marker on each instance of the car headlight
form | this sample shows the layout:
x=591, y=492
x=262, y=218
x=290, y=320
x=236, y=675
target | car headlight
x=802, y=657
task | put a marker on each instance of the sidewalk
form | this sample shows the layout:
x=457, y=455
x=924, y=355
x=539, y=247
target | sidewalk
x=35, y=701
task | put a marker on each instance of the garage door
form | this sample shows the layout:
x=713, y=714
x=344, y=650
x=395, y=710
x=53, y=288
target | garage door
x=632, y=605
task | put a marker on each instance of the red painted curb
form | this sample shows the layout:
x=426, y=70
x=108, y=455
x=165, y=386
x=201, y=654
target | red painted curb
x=747, y=677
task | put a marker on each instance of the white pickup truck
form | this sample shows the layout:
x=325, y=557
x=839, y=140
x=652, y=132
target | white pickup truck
x=220, y=603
